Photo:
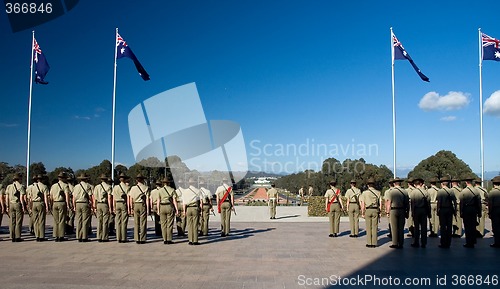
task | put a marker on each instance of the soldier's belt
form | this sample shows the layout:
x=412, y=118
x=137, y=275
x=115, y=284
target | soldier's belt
x=226, y=201
x=103, y=203
x=36, y=201
x=397, y=208
x=120, y=201
x=81, y=202
x=206, y=203
x=166, y=203
x=192, y=206
x=372, y=207
x=59, y=201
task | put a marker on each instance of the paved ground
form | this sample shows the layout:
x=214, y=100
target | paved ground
x=292, y=251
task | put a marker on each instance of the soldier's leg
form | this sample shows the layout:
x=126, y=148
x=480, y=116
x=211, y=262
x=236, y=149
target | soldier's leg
x=78, y=221
x=118, y=221
x=170, y=222
x=350, y=213
x=480, y=227
x=105, y=220
x=163, y=221
x=35, y=215
x=196, y=218
x=100, y=223
x=144, y=224
x=228, y=219
x=416, y=229
x=137, y=217
x=356, y=220
x=55, y=216
x=423, y=228
x=400, y=227
x=368, y=224
x=393, y=216
x=330, y=220
x=495, y=225
x=85, y=221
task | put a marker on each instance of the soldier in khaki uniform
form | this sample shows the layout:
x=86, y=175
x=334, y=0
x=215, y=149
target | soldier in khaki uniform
x=70, y=216
x=470, y=211
x=121, y=208
x=446, y=210
x=387, y=212
x=3, y=209
x=272, y=201
x=225, y=202
x=180, y=219
x=154, y=206
x=15, y=198
x=409, y=221
x=102, y=201
x=457, y=221
x=421, y=210
x=334, y=208
x=140, y=207
x=192, y=209
x=59, y=195
x=167, y=209
x=484, y=206
x=29, y=204
x=82, y=198
x=353, y=208
x=370, y=210
x=494, y=211
x=206, y=198
x=398, y=208
x=40, y=206
x=434, y=217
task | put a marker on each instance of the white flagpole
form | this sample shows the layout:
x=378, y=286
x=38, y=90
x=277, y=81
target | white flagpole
x=481, y=102
x=29, y=111
x=113, y=117
x=393, y=107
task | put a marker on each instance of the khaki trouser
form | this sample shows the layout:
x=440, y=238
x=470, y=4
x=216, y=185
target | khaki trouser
x=82, y=217
x=272, y=207
x=156, y=218
x=397, y=226
x=16, y=220
x=480, y=227
x=420, y=221
x=409, y=221
x=59, y=214
x=70, y=218
x=353, y=213
x=121, y=219
x=102, y=221
x=470, y=220
x=205, y=215
x=445, y=225
x=434, y=219
x=371, y=219
x=180, y=220
x=495, y=223
x=38, y=215
x=140, y=222
x=167, y=214
x=457, y=223
x=334, y=217
x=192, y=215
x=225, y=217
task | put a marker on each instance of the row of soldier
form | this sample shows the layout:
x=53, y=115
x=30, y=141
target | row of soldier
x=448, y=207
x=188, y=205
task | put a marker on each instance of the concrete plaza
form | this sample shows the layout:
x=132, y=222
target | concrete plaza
x=293, y=251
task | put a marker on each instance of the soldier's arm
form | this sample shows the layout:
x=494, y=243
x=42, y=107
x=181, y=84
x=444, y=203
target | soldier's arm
x=175, y=206
x=7, y=201
x=110, y=203
x=1, y=202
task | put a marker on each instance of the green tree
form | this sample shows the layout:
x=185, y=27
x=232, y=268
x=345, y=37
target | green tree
x=443, y=163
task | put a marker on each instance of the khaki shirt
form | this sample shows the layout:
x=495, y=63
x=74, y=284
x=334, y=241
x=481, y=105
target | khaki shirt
x=272, y=193
x=399, y=198
x=166, y=195
x=206, y=195
x=483, y=193
x=82, y=192
x=458, y=191
x=353, y=195
x=446, y=198
x=494, y=198
x=467, y=197
x=432, y=191
x=371, y=198
x=120, y=193
x=155, y=195
x=221, y=191
x=101, y=192
x=190, y=196
x=178, y=194
x=330, y=193
x=37, y=192
x=58, y=191
x=419, y=197
x=14, y=191
x=139, y=193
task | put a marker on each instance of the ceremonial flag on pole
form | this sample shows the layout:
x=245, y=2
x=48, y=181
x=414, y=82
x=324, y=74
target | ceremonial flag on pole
x=123, y=50
x=40, y=62
x=399, y=53
x=491, y=47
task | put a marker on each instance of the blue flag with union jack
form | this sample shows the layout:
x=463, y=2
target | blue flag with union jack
x=400, y=53
x=40, y=64
x=491, y=47
x=123, y=50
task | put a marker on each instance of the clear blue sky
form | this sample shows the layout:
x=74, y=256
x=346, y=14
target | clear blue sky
x=291, y=73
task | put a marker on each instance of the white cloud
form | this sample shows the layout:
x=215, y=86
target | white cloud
x=449, y=118
x=82, y=117
x=452, y=101
x=492, y=104
x=7, y=125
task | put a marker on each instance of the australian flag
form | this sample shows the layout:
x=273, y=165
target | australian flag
x=491, y=47
x=123, y=50
x=400, y=53
x=41, y=64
